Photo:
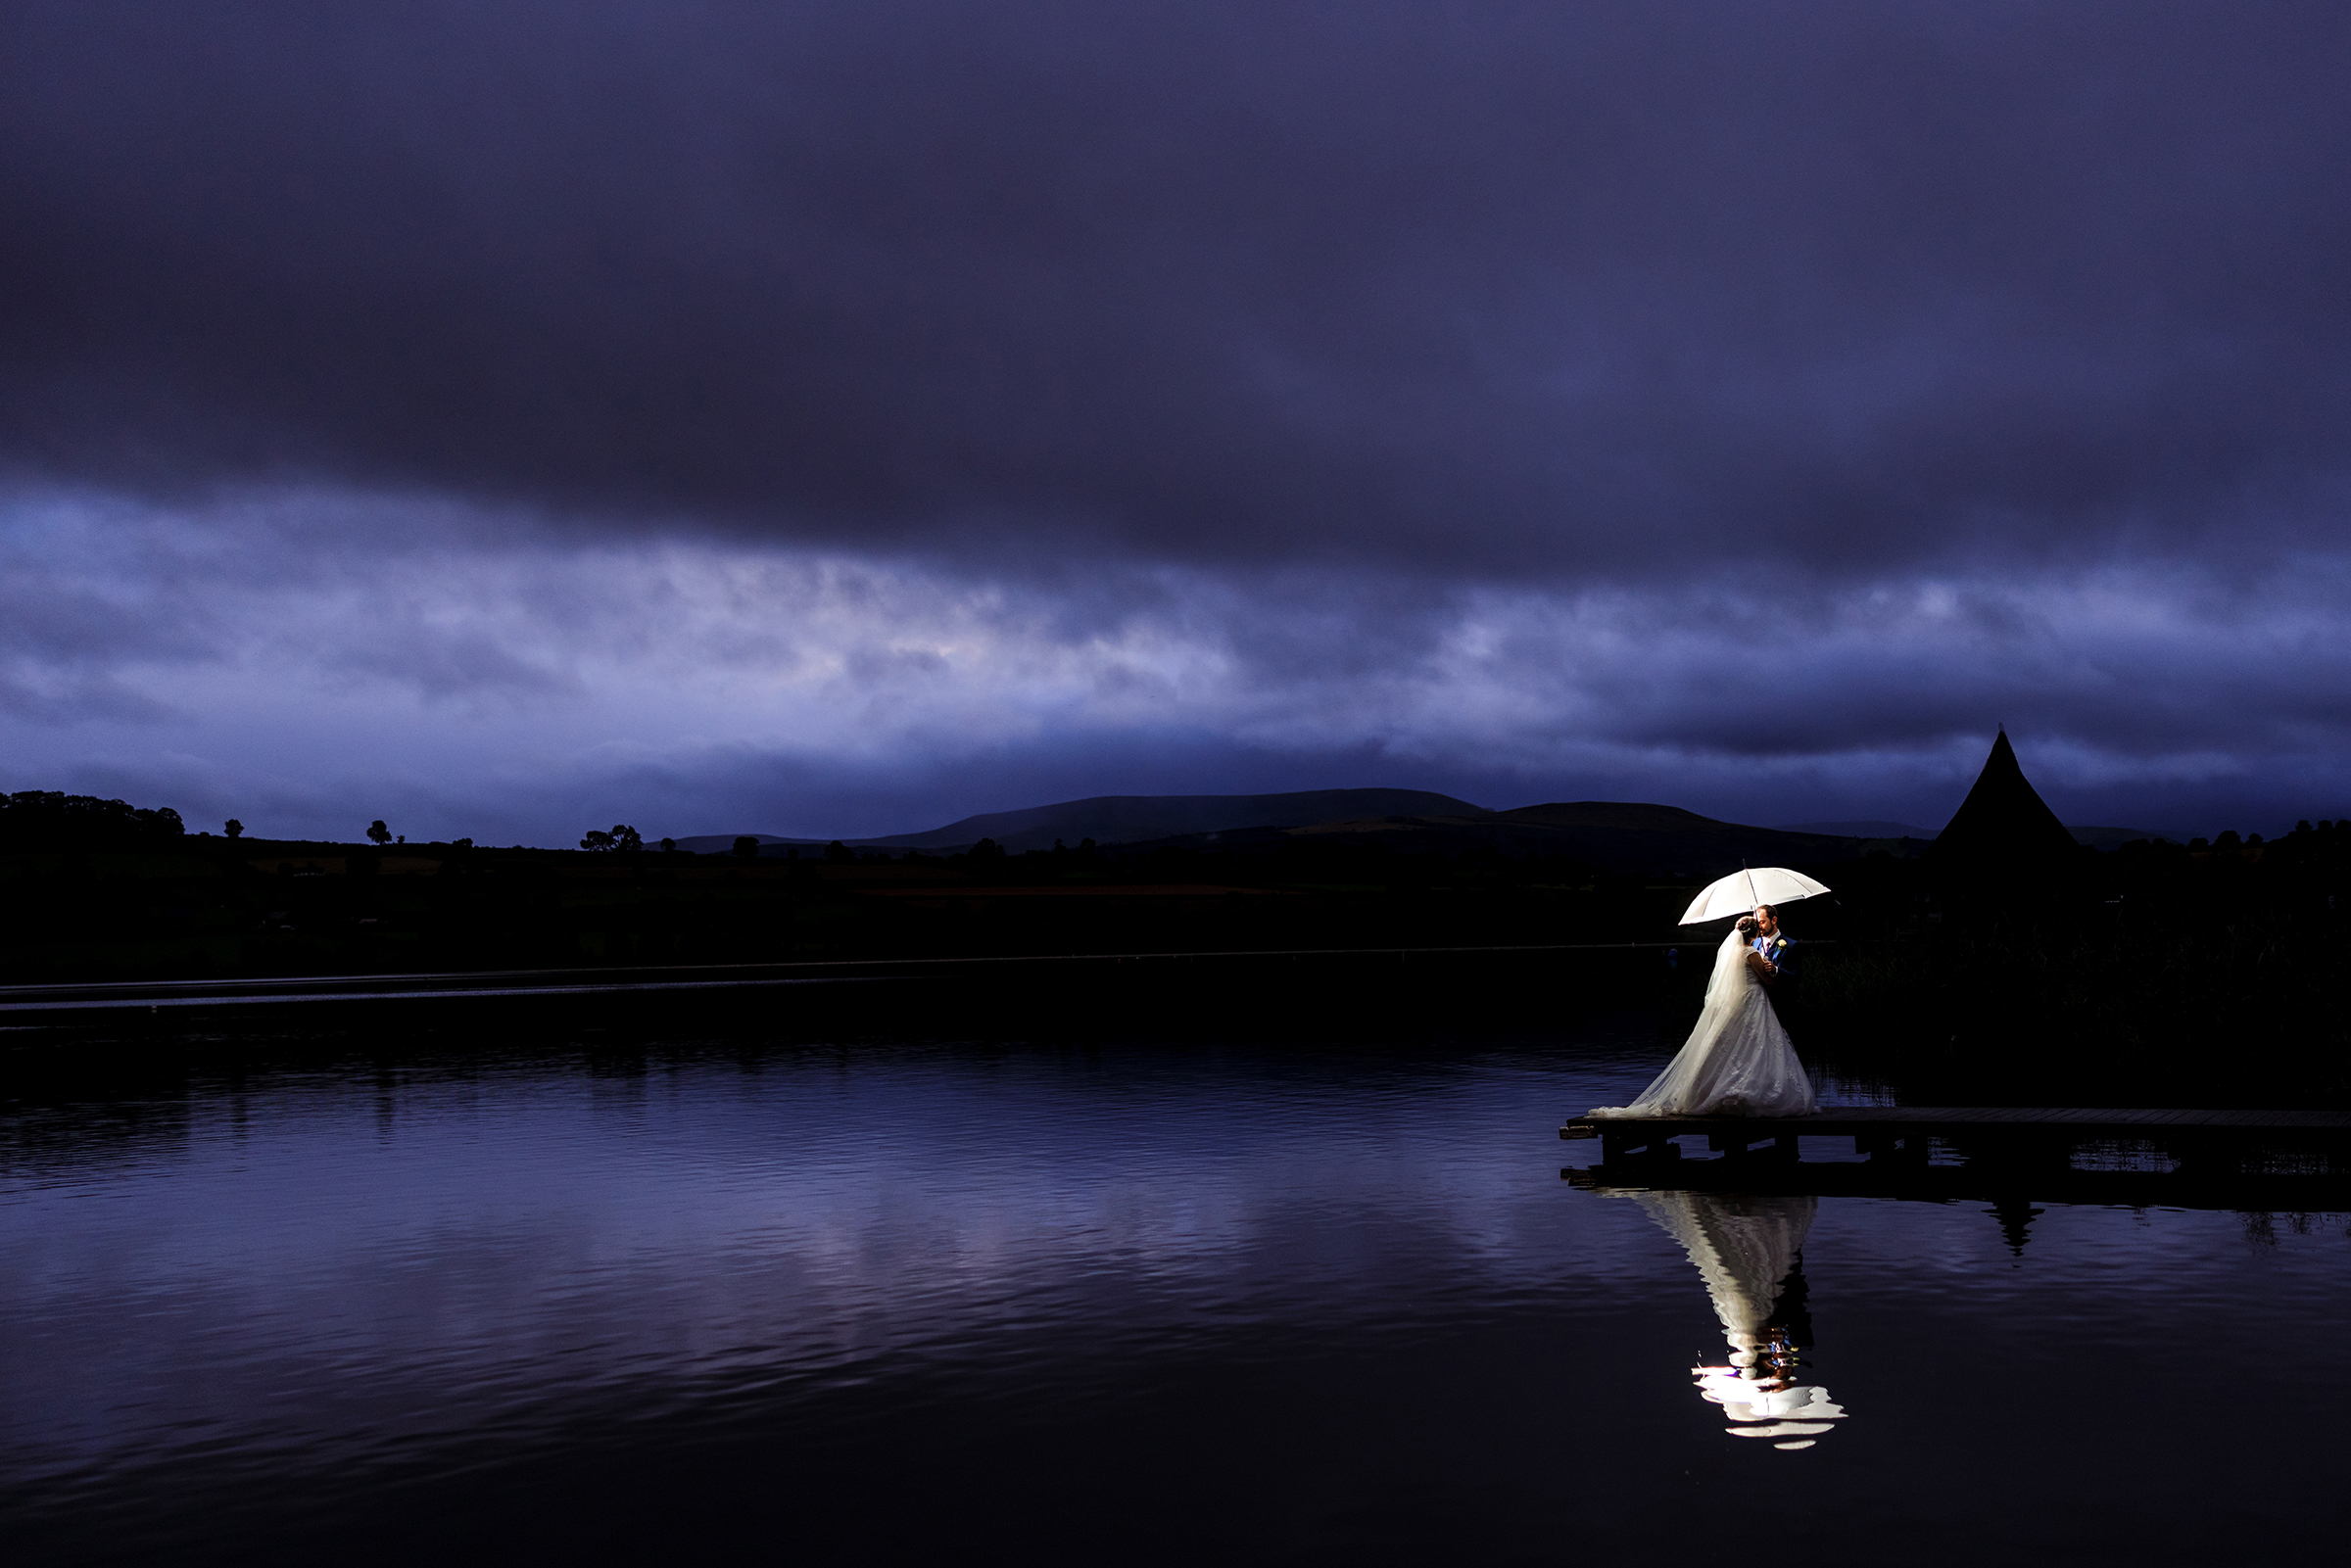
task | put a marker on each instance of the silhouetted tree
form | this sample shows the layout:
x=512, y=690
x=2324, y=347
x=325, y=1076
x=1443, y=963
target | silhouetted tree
x=839, y=851
x=597, y=840
x=746, y=848
x=987, y=850
x=236, y=829
x=625, y=836
x=378, y=831
x=669, y=846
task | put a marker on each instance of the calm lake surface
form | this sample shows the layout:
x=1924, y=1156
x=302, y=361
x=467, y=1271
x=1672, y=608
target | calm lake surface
x=1134, y=1302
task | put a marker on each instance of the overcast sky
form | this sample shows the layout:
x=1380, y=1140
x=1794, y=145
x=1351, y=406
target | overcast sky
x=506, y=418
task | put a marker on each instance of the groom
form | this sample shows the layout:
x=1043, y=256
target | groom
x=1779, y=960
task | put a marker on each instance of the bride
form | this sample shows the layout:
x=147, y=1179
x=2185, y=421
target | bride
x=1737, y=1061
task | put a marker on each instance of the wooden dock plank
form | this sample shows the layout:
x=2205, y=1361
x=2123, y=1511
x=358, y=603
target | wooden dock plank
x=2079, y=1122
x=2304, y=1194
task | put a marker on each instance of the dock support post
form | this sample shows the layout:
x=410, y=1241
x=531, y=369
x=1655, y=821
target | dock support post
x=1630, y=1144
x=1905, y=1148
x=1752, y=1143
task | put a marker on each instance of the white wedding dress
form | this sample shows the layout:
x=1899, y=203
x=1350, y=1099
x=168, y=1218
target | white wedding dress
x=1745, y=1248
x=1737, y=1061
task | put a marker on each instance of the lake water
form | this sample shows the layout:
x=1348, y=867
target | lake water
x=1128, y=1301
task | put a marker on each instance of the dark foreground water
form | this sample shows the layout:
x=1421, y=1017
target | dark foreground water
x=1134, y=1302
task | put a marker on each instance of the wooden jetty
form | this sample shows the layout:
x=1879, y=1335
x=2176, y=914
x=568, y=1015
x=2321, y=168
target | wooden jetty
x=2279, y=1160
x=1994, y=1182
x=1910, y=1131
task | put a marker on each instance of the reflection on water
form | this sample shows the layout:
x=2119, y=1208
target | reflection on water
x=1748, y=1250
x=1175, y=1302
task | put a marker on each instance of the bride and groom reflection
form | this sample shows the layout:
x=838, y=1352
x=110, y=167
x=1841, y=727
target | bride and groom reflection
x=1747, y=1249
x=1739, y=1061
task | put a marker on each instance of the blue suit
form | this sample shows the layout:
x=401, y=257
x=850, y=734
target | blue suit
x=1780, y=953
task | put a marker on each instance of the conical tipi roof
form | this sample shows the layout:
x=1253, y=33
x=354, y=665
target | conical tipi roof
x=2003, y=817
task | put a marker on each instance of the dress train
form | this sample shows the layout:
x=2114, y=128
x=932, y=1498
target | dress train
x=1738, y=1061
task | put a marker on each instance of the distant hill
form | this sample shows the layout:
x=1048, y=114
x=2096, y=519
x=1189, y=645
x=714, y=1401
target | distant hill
x=1125, y=819
x=1129, y=819
x=2116, y=838
x=2097, y=838
x=1633, y=837
x=720, y=844
x=1616, y=815
x=1860, y=830
x=1630, y=837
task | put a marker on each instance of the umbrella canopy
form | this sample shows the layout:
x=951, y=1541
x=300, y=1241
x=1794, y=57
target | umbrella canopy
x=1743, y=891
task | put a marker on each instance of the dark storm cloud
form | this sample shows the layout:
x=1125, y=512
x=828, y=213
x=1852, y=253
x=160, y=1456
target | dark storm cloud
x=1599, y=291
x=844, y=418
x=335, y=650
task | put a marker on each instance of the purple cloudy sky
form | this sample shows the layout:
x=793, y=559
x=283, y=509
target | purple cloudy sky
x=508, y=417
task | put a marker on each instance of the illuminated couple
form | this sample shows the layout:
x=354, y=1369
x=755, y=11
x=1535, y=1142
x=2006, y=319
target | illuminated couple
x=1738, y=1061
